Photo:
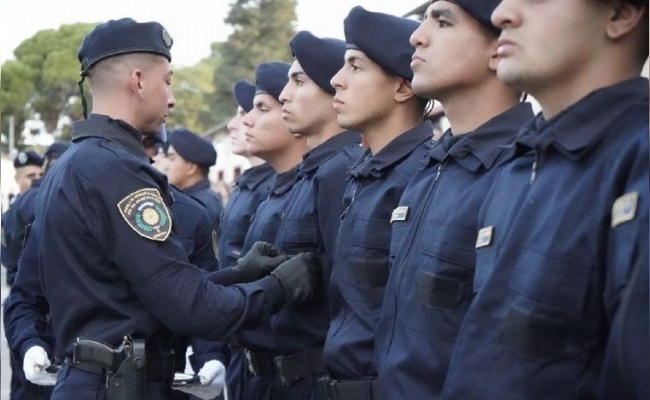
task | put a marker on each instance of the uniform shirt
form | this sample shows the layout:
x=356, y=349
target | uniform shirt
x=209, y=198
x=109, y=264
x=360, y=265
x=264, y=228
x=15, y=223
x=539, y=320
x=26, y=309
x=432, y=257
x=252, y=186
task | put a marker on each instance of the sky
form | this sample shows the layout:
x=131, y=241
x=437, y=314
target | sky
x=194, y=24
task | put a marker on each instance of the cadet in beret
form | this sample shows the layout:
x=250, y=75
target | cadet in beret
x=251, y=188
x=373, y=96
x=566, y=223
x=268, y=138
x=15, y=225
x=116, y=267
x=310, y=221
x=189, y=160
x=429, y=287
x=28, y=166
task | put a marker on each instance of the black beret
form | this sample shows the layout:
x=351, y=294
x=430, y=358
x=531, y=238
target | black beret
x=29, y=157
x=56, y=149
x=384, y=38
x=481, y=10
x=123, y=36
x=271, y=77
x=244, y=92
x=193, y=147
x=320, y=58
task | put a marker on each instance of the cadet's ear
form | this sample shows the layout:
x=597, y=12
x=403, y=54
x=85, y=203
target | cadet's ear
x=136, y=82
x=404, y=90
x=623, y=18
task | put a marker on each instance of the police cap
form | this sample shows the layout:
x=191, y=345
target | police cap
x=29, y=157
x=481, y=10
x=123, y=36
x=384, y=38
x=271, y=77
x=244, y=92
x=192, y=147
x=320, y=58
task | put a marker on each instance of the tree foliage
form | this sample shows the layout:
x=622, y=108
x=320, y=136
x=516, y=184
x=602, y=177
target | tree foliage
x=261, y=32
x=43, y=77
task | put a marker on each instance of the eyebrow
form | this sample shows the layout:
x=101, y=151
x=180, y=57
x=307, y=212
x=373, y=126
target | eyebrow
x=296, y=74
x=438, y=13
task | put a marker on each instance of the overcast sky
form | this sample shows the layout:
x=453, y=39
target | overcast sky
x=193, y=24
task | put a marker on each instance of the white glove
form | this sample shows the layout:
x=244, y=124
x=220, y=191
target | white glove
x=212, y=377
x=34, y=364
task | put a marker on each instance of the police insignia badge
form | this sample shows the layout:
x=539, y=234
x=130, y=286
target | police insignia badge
x=22, y=158
x=167, y=38
x=624, y=208
x=146, y=213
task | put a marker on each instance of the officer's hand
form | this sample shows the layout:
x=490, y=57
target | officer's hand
x=34, y=364
x=212, y=377
x=299, y=277
x=260, y=260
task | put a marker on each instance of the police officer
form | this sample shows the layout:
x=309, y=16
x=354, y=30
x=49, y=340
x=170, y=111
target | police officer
x=28, y=166
x=251, y=187
x=310, y=220
x=267, y=137
x=16, y=231
x=189, y=160
x=116, y=268
x=374, y=95
x=433, y=230
x=554, y=254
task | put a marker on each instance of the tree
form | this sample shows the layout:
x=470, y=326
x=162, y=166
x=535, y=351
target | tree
x=191, y=85
x=261, y=32
x=44, y=75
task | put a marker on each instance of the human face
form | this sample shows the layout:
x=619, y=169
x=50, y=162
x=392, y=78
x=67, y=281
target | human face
x=452, y=51
x=547, y=45
x=157, y=95
x=364, y=92
x=160, y=161
x=266, y=133
x=25, y=175
x=237, y=133
x=177, y=168
x=306, y=107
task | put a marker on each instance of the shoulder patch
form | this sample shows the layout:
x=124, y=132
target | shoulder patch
x=624, y=208
x=146, y=213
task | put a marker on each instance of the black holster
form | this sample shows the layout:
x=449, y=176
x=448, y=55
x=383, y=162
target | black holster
x=128, y=381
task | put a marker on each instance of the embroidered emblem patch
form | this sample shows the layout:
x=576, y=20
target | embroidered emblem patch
x=400, y=214
x=146, y=213
x=484, y=237
x=624, y=208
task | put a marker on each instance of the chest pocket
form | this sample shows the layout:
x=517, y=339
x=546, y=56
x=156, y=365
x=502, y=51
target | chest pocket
x=549, y=304
x=298, y=235
x=369, y=253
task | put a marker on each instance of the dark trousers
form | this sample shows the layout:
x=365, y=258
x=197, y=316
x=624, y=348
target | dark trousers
x=21, y=388
x=74, y=383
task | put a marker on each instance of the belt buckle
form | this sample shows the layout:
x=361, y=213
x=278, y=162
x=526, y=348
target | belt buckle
x=253, y=367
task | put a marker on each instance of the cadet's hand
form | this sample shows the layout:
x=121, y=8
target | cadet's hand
x=261, y=259
x=299, y=277
x=212, y=377
x=34, y=364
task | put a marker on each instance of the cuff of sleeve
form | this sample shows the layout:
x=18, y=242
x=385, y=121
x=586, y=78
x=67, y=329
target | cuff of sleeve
x=274, y=293
x=26, y=345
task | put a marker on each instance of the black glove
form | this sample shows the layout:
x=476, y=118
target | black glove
x=300, y=278
x=261, y=259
